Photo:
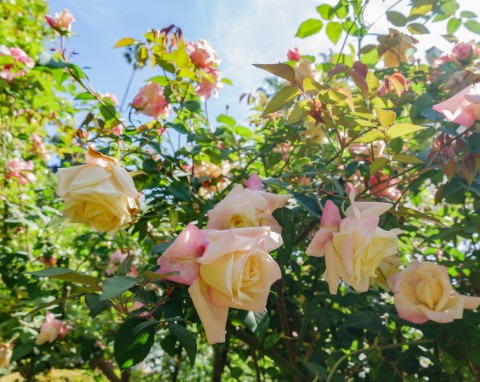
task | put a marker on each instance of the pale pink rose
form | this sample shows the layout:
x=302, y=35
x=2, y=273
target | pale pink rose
x=443, y=59
x=18, y=168
x=21, y=63
x=6, y=351
x=209, y=84
x=246, y=208
x=225, y=269
x=211, y=170
x=465, y=50
x=423, y=292
x=354, y=246
x=39, y=147
x=202, y=54
x=51, y=330
x=117, y=130
x=114, y=261
x=382, y=185
x=463, y=108
x=150, y=101
x=294, y=54
x=304, y=69
x=254, y=183
x=111, y=97
x=99, y=194
x=62, y=20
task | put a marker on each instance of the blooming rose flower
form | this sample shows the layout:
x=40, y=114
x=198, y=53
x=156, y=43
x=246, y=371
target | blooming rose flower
x=367, y=151
x=225, y=269
x=354, y=246
x=6, y=350
x=51, y=330
x=18, y=168
x=117, y=130
x=463, y=108
x=254, y=183
x=209, y=84
x=114, y=262
x=246, y=208
x=21, y=63
x=294, y=54
x=465, y=51
x=202, y=54
x=423, y=292
x=396, y=47
x=382, y=185
x=39, y=147
x=216, y=177
x=99, y=194
x=150, y=101
x=62, y=20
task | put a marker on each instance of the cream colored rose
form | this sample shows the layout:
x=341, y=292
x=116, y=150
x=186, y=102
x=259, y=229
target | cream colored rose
x=354, y=247
x=51, y=330
x=6, y=350
x=423, y=292
x=243, y=207
x=99, y=194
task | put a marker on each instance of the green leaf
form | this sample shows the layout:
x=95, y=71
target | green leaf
x=167, y=66
x=401, y=129
x=325, y=11
x=6, y=60
x=186, y=339
x=126, y=41
x=85, y=96
x=417, y=28
x=181, y=191
x=143, y=326
x=116, y=285
x=161, y=247
x=96, y=305
x=300, y=111
x=453, y=24
x=334, y=31
x=124, y=266
x=227, y=120
x=21, y=350
x=284, y=216
x=279, y=100
x=66, y=274
x=257, y=323
x=468, y=14
x=178, y=127
x=55, y=301
x=404, y=158
x=396, y=18
x=371, y=136
x=309, y=27
x=243, y=131
x=158, y=276
x=280, y=70
x=378, y=164
x=472, y=26
x=131, y=349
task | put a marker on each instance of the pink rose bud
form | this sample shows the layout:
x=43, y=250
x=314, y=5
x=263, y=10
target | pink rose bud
x=62, y=21
x=150, y=101
x=294, y=54
x=18, y=168
x=254, y=183
x=202, y=54
x=423, y=292
x=51, y=330
x=463, y=108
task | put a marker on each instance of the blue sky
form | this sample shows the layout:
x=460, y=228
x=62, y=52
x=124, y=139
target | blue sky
x=243, y=32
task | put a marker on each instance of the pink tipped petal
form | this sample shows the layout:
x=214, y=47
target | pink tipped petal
x=214, y=318
x=472, y=302
x=182, y=256
x=331, y=274
x=457, y=109
x=316, y=247
x=331, y=216
x=125, y=181
x=254, y=183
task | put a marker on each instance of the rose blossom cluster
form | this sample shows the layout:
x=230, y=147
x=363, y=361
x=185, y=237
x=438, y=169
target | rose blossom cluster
x=206, y=60
x=18, y=168
x=228, y=265
x=38, y=147
x=20, y=63
x=214, y=177
x=51, y=330
x=99, y=193
x=62, y=22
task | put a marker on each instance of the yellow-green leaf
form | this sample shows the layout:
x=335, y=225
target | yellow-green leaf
x=309, y=27
x=334, y=31
x=310, y=84
x=401, y=129
x=126, y=41
x=279, y=100
x=417, y=28
x=404, y=158
x=300, y=111
x=280, y=70
x=385, y=117
x=371, y=136
x=378, y=164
